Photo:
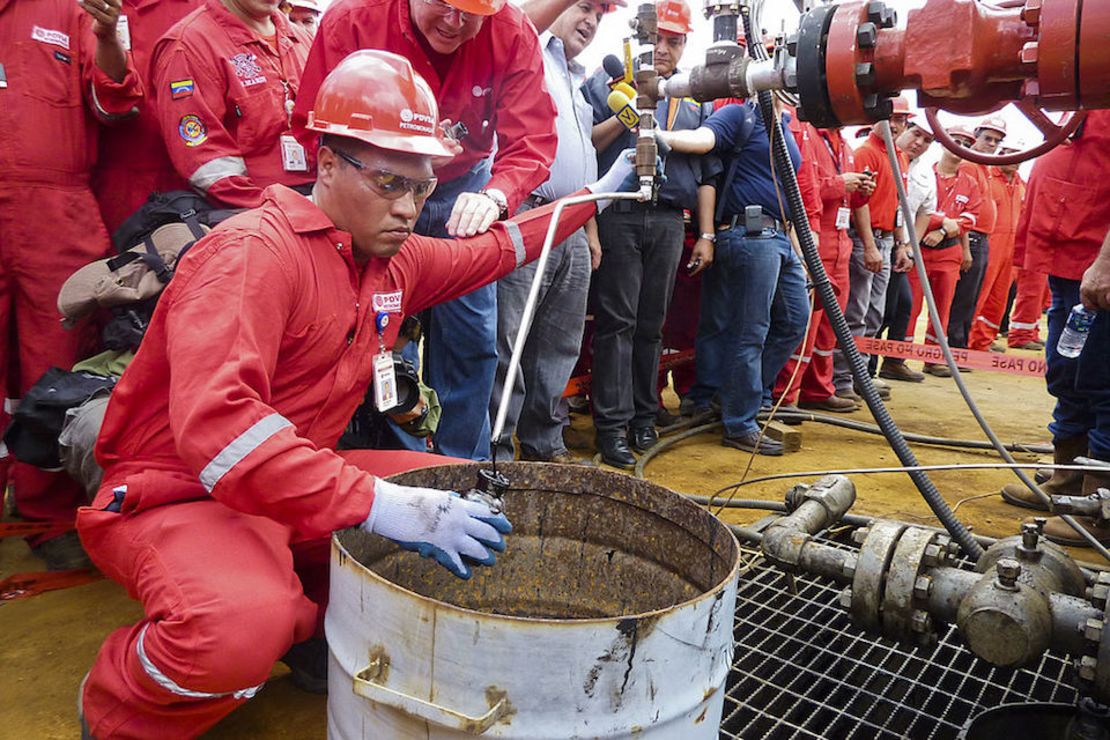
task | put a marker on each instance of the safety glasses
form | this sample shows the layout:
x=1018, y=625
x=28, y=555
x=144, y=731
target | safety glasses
x=443, y=9
x=388, y=184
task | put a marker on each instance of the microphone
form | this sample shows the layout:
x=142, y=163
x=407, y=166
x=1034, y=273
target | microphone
x=613, y=66
x=621, y=93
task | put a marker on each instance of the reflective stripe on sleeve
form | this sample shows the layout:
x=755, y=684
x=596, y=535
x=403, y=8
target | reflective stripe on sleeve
x=214, y=170
x=240, y=447
x=518, y=242
x=105, y=114
x=171, y=686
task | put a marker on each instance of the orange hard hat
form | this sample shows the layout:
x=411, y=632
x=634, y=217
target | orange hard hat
x=994, y=123
x=901, y=106
x=376, y=97
x=477, y=7
x=674, y=16
x=305, y=4
x=959, y=129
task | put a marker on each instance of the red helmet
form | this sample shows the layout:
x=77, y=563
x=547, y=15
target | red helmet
x=376, y=97
x=477, y=7
x=959, y=129
x=674, y=16
x=994, y=123
x=901, y=107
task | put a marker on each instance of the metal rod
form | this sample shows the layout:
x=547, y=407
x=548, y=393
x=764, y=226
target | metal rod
x=533, y=296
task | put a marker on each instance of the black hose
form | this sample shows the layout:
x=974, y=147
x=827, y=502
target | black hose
x=844, y=338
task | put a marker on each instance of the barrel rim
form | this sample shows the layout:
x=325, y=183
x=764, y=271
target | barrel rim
x=730, y=578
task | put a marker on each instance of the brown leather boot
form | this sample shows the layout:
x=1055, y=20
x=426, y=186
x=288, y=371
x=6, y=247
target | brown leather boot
x=1062, y=482
x=1057, y=530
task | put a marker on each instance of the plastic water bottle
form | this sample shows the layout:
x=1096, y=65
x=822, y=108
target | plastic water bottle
x=1075, y=331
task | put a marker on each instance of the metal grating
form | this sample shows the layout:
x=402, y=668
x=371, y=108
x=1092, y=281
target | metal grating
x=801, y=670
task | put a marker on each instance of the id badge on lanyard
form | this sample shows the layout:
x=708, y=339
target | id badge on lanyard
x=843, y=217
x=293, y=157
x=385, y=379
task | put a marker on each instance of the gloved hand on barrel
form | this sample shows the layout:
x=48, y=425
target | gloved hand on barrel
x=456, y=532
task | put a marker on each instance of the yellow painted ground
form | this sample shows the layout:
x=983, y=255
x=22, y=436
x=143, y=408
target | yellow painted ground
x=48, y=642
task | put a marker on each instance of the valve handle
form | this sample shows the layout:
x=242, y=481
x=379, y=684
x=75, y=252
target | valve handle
x=1054, y=134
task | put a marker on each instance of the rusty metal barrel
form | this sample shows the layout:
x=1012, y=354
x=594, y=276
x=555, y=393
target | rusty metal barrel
x=610, y=614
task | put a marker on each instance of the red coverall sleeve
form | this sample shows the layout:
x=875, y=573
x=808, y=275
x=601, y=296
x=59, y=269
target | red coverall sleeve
x=968, y=217
x=109, y=100
x=203, y=151
x=808, y=178
x=245, y=453
x=437, y=270
x=525, y=126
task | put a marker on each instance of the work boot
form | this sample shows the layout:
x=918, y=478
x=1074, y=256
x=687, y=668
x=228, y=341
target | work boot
x=937, y=371
x=1058, y=531
x=643, y=439
x=1035, y=345
x=835, y=404
x=850, y=394
x=1062, y=482
x=900, y=371
x=998, y=347
x=752, y=443
x=880, y=386
x=63, y=552
x=665, y=419
x=308, y=665
x=613, y=447
x=563, y=457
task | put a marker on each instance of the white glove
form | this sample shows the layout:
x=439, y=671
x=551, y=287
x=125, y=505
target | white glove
x=437, y=524
x=621, y=177
x=473, y=213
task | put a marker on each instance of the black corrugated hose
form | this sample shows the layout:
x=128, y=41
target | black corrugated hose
x=824, y=289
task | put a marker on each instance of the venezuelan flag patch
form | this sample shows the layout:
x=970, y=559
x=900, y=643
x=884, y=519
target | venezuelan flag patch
x=181, y=89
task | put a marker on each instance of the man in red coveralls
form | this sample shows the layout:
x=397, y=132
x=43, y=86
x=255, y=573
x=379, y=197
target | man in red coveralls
x=221, y=485
x=62, y=69
x=483, y=61
x=946, y=255
x=225, y=79
x=1062, y=228
x=132, y=162
x=1008, y=192
x=841, y=191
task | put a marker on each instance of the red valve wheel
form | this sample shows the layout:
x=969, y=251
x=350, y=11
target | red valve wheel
x=1054, y=134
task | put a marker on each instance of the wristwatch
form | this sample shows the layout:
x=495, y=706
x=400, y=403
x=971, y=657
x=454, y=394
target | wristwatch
x=711, y=238
x=499, y=199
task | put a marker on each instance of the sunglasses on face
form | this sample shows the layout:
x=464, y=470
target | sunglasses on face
x=388, y=184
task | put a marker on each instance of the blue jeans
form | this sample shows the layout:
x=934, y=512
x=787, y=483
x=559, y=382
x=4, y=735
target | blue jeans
x=754, y=309
x=460, y=342
x=1081, y=385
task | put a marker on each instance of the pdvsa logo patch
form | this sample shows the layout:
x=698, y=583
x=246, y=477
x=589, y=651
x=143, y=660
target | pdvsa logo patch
x=192, y=130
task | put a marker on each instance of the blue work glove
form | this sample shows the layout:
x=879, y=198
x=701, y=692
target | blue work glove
x=438, y=524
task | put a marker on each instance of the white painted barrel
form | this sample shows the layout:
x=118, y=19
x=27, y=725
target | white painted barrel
x=609, y=615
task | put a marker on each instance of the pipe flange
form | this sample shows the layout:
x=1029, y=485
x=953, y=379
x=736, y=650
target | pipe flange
x=905, y=581
x=1099, y=594
x=812, y=88
x=875, y=555
x=1100, y=682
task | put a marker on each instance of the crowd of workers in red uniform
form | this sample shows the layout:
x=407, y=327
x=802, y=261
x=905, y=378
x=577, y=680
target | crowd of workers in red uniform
x=109, y=101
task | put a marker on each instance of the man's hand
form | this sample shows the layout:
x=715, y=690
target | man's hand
x=701, y=257
x=965, y=263
x=472, y=214
x=456, y=532
x=951, y=227
x=854, y=181
x=901, y=261
x=1094, y=291
x=105, y=15
x=595, y=250
x=933, y=238
x=872, y=258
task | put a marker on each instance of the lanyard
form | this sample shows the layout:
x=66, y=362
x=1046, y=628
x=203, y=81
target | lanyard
x=839, y=162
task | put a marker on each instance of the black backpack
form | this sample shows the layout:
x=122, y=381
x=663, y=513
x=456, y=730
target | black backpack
x=33, y=433
x=174, y=206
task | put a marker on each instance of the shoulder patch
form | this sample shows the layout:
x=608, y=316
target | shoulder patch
x=180, y=89
x=192, y=130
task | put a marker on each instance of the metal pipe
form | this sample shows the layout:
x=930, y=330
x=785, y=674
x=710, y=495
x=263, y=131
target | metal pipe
x=533, y=295
x=816, y=507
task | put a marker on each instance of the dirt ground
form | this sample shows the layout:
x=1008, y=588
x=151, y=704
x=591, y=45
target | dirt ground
x=50, y=640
